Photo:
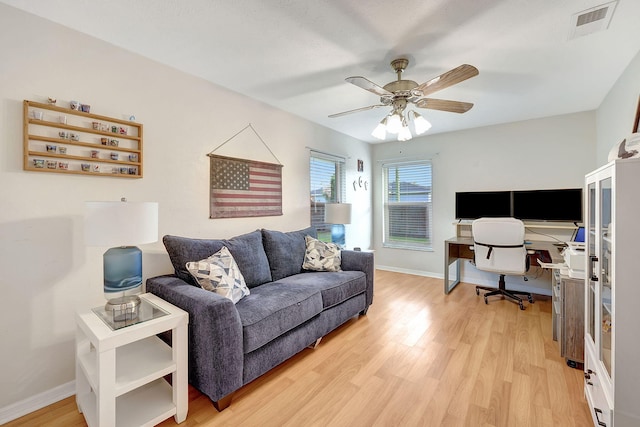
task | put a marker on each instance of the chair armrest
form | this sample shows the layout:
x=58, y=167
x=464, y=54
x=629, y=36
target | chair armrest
x=216, y=355
x=360, y=261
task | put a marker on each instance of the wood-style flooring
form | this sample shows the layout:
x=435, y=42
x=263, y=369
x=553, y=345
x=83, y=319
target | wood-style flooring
x=418, y=358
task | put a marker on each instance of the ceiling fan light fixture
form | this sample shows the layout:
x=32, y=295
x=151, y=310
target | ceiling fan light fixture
x=394, y=123
x=420, y=123
x=380, y=131
x=404, y=134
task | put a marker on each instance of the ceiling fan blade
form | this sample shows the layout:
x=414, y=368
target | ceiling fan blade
x=444, y=105
x=367, y=84
x=450, y=78
x=344, y=113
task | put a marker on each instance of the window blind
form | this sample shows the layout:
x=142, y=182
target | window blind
x=327, y=179
x=408, y=207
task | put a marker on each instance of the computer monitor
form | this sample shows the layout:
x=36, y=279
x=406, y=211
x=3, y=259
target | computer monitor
x=478, y=204
x=579, y=235
x=548, y=205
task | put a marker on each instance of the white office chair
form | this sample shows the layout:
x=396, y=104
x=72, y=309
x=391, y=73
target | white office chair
x=498, y=244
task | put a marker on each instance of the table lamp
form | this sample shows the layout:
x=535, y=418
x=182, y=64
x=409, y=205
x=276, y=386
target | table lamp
x=337, y=214
x=121, y=225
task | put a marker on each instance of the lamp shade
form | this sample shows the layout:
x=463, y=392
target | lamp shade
x=337, y=213
x=120, y=223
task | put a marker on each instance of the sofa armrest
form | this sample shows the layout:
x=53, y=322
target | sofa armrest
x=360, y=261
x=215, y=335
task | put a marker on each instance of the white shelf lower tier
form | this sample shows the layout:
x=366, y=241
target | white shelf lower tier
x=136, y=364
x=145, y=406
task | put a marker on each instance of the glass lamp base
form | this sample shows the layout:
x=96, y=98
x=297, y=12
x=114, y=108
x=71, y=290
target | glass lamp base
x=123, y=308
x=337, y=234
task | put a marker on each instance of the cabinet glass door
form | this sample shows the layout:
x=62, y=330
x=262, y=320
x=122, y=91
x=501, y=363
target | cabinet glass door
x=591, y=241
x=605, y=279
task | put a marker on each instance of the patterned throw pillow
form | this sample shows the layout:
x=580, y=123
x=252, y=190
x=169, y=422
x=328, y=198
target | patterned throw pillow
x=321, y=256
x=220, y=274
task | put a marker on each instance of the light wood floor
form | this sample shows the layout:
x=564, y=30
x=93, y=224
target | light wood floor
x=418, y=358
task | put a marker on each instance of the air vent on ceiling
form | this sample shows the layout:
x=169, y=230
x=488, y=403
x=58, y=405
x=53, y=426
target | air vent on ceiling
x=591, y=20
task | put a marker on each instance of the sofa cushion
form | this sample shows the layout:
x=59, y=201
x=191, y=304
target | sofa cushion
x=334, y=287
x=220, y=274
x=321, y=256
x=247, y=250
x=285, y=251
x=273, y=309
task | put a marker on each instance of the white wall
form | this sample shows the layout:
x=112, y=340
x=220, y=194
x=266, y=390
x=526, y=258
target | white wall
x=617, y=112
x=553, y=152
x=46, y=272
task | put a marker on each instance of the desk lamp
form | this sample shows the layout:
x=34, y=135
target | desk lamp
x=121, y=225
x=337, y=214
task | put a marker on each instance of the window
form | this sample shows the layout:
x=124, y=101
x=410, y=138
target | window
x=326, y=173
x=407, y=205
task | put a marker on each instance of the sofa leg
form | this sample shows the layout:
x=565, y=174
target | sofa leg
x=364, y=312
x=315, y=344
x=223, y=403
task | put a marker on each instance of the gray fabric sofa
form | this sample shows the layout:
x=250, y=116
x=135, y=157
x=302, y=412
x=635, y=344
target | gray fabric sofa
x=288, y=309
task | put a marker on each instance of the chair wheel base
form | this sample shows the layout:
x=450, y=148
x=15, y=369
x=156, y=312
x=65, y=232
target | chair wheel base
x=501, y=291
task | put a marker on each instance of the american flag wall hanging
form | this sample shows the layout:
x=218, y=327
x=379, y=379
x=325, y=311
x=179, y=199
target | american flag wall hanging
x=244, y=188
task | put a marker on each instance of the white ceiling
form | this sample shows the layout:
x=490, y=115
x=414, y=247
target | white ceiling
x=295, y=54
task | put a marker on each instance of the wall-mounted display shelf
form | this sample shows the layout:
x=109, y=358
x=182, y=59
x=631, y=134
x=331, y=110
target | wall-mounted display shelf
x=64, y=140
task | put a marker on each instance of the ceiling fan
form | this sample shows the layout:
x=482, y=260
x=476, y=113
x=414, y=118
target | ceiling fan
x=400, y=93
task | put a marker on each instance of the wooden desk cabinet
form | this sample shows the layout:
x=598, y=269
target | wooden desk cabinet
x=568, y=317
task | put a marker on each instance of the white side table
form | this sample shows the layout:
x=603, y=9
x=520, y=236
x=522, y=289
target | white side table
x=119, y=372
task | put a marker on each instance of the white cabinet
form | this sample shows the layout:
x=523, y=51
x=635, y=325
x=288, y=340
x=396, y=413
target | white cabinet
x=119, y=372
x=612, y=294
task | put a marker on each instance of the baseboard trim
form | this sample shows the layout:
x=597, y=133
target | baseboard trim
x=39, y=401
x=413, y=272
